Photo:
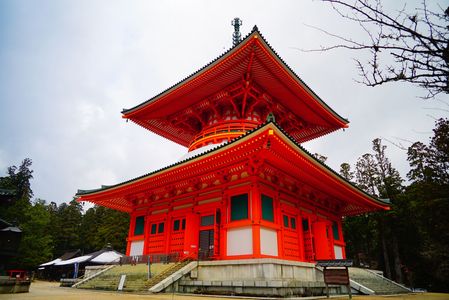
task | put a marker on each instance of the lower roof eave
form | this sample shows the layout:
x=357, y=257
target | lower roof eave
x=114, y=206
x=114, y=196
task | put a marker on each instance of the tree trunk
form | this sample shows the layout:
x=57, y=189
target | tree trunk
x=385, y=249
x=397, y=260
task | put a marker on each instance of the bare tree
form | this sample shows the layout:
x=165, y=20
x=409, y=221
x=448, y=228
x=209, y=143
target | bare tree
x=405, y=45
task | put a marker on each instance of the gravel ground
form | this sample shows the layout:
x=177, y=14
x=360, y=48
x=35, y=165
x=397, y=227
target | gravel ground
x=42, y=290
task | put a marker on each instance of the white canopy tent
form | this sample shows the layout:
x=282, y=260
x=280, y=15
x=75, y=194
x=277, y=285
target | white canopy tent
x=79, y=259
x=50, y=262
x=104, y=256
x=107, y=257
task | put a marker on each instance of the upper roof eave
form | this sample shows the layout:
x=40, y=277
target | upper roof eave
x=191, y=76
x=255, y=31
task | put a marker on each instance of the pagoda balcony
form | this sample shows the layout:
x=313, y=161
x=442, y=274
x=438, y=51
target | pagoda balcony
x=221, y=132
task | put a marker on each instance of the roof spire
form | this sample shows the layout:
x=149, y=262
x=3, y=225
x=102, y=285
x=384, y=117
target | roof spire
x=236, y=36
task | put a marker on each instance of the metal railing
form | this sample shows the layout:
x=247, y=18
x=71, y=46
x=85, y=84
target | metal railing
x=150, y=258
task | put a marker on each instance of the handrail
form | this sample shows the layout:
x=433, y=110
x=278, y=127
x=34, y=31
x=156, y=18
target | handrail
x=389, y=280
x=153, y=258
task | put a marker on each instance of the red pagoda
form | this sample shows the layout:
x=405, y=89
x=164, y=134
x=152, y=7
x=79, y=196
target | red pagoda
x=246, y=188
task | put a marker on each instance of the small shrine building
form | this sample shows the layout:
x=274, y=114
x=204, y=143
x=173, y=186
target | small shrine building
x=246, y=188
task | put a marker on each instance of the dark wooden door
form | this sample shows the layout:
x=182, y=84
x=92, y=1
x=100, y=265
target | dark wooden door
x=206, y=250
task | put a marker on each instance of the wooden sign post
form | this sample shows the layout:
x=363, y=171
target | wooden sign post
x=336, y=272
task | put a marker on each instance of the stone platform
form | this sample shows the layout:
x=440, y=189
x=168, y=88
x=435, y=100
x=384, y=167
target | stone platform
x=253, y=277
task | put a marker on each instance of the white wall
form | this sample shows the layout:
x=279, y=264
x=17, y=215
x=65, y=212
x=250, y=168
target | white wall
x=268, y=242
x=338, y=252
x=136, y=248
x=240, y=241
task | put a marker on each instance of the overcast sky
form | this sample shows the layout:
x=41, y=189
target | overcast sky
x=68, y=68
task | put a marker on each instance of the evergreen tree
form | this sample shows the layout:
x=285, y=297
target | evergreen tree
x=418, y=158
x=439, y=151
x=414, y=236
x=427, y=240
x=89, y=230
x=36, y=245
x=389, y=181
x=101, y=225
x=320, y=157
x=68, y=222
x=18, y=179
x=376, y=175
x=112, y=229
x=366, y=174
x=346, y=172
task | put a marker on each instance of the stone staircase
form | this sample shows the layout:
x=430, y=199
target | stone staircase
x=166, y=273
x=369, y=282
x=136, y=277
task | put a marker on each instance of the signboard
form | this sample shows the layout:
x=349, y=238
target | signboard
x=336, y=272
x=336, y=276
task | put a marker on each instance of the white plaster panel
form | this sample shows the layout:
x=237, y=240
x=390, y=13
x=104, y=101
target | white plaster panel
x=240, y=241
x=268, y=242
x=338, y=252
x=136, y=248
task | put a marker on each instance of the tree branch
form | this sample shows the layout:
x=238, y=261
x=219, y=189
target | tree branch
x=418, y=43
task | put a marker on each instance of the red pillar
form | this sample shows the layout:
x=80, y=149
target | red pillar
x=146, y=234
x=224, y=222
x=132, y=224
x=191, y=238
x=167, y=232
x=279, y=219
x=256, y=215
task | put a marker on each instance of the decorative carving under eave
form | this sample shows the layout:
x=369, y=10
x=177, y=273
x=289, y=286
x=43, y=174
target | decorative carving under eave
x=254, y=165
x=222, y=176
x=243, y=101
x=194, y=184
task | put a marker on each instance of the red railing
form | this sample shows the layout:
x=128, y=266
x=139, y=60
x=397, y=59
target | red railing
x=222, y=131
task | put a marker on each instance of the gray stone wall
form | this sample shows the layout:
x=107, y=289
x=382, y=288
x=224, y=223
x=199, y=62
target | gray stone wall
x=261, y=277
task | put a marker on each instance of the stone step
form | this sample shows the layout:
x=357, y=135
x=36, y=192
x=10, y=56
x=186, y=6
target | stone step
x=155, y=280
x=378, y=284
x=136, y=277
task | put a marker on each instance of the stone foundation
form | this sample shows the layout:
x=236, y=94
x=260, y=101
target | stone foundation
x=254, y=277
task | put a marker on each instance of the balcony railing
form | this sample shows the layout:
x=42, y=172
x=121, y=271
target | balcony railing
x=222, y=132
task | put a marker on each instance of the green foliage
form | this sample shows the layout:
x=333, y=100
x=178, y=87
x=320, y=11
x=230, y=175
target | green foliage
x=49, y=230
x=320, y=157
x=410, y=242
x=67, y=220
x=346, y=172
x=101, y=225
x=365, y=172
x=18, y=180
x=424, y=234
x=37, y=244
x=431, y=163
x=418, y=158
x=362, y=244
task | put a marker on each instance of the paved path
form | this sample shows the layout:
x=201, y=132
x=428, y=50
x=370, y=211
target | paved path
x=41, y=290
